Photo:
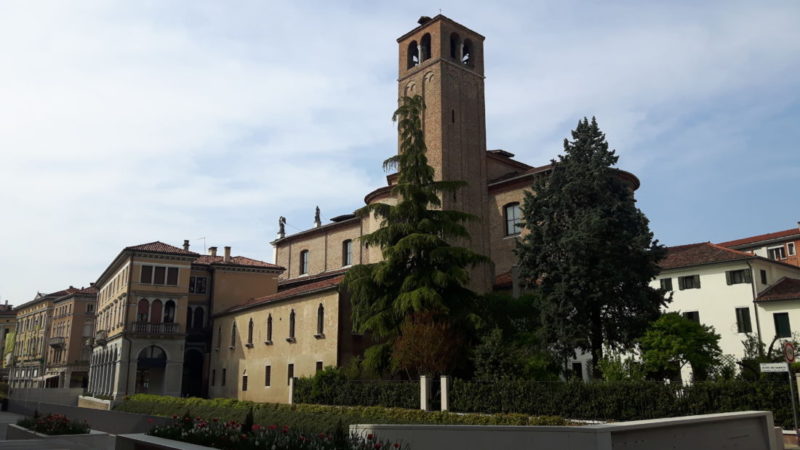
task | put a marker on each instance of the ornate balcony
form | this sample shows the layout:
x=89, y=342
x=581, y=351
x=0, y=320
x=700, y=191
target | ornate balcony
x=101, y=337
x=151, y=329
x=57, y=342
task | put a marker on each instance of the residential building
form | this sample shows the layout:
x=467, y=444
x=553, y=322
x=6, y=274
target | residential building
x=8, y=326
x=779, y=246
x=70, y=339
x=34, y=319
x=736, y=292
x=154, y=303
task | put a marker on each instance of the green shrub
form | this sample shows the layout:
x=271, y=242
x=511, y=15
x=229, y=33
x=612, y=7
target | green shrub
x=314, y=418
x=53, y=424
x=332, y=387
x=622, y=400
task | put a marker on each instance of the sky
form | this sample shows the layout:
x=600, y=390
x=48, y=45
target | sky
x=124, y=122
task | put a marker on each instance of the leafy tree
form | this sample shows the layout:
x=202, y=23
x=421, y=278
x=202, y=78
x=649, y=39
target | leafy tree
x=421, y=272
x=674, y=341
x=426, y=346
x=621, y=368
x=588, y=251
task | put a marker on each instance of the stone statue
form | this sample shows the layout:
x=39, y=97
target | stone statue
x=282, y=226
x=317, y=220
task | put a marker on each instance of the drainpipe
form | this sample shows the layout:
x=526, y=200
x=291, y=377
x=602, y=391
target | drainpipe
x=755, y=307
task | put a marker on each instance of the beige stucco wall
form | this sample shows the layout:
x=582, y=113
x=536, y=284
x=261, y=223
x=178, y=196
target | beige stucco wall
x=304, y=353
x=324, y=248
x=234, y=287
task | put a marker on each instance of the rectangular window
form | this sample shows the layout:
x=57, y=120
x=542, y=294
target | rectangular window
x=268, y=376
x=159, y=275
x=213, y=376
x=776, y=253
x=743, y=324
x=689, y=282
x=303, y=262
x=244, y=383
x=319, y=366
x=738, y=276
x=289, y=373
x=577, y=370
x=224, y=376
x=790, y=248
x=692, y=315
x=347, y=252
x=147, y=275
x=763, y=276
x=513, y=217
x=197, y=285
x=89, y=307
x=172, y=276
x=782, y=327
x=666, y=284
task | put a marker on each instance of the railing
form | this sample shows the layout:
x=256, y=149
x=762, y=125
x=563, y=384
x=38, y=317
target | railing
x=57, y=341
x=153, y=328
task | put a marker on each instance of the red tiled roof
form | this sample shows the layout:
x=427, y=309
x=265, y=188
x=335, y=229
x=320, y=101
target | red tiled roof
x=305, y=289
x=309, y=278
x=503, y=280
x=700, y=253
x=762, y=237
x=235, y=261
x=783, y=289
x=160, y=247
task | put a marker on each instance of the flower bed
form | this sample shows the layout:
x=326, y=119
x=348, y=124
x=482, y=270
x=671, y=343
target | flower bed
x=245, y=436
x=53, y=424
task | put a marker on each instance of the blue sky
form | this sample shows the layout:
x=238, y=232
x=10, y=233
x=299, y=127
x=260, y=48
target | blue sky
x=128, y=122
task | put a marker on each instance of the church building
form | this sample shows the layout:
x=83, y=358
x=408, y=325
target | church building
x=260, y=345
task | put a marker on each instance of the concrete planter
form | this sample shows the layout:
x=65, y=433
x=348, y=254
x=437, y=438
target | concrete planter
x=94, y=439
x=141, y=441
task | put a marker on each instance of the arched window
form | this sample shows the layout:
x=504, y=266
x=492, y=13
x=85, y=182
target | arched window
x=413, y=54
x=347, y=252
x=250, y=333
x=455, y=46
x=320, y=321
x=155, y=311
x=291, y=326
x=425, y=48
x=467, y=58
x=269, y=329
x=141, y=312
x=303, y=262
x=233, y=334
x=169, y=312
x=513, y=218
x=198, y=318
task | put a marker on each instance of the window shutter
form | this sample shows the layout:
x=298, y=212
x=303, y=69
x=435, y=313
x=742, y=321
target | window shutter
x=728, y=277
x=697, y=281
x=748, y=276
x=680, y=283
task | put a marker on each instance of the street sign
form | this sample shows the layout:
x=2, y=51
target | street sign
x=774, y=367
x=788, y=352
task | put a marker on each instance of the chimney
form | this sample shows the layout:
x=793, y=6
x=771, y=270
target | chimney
x=186, y=244
x=212, y=251
x=227, y=254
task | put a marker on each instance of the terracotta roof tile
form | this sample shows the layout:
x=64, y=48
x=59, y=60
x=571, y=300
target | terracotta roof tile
x=160, y=247
x=762, y=237
x=235, y=261
x=783, y=289
x=698, y=254
x=291, y=282
x=305, y=289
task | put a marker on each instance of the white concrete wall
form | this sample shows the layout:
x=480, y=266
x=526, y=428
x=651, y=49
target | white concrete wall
x=752, y=430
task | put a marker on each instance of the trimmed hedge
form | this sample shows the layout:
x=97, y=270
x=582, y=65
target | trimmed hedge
x=627, y=400
x=313, y=418
x=331, y=389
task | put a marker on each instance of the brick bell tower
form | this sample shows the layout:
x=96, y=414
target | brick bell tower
x=442, y=61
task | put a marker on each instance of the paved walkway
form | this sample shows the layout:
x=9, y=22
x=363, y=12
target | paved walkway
x=5, y=419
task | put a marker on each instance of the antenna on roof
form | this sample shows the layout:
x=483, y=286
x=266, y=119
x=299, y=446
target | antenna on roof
x=204, y=243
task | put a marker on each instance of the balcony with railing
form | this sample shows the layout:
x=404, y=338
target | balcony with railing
x=151, y=329
x=57, y=341
x=101, y=337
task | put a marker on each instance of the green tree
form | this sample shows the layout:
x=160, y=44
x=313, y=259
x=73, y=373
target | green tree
x=421, y=272
x=589, y=252
x=674, y=341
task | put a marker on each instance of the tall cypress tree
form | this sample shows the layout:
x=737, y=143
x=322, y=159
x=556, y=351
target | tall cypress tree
x=421, y=274
x=589, y=251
